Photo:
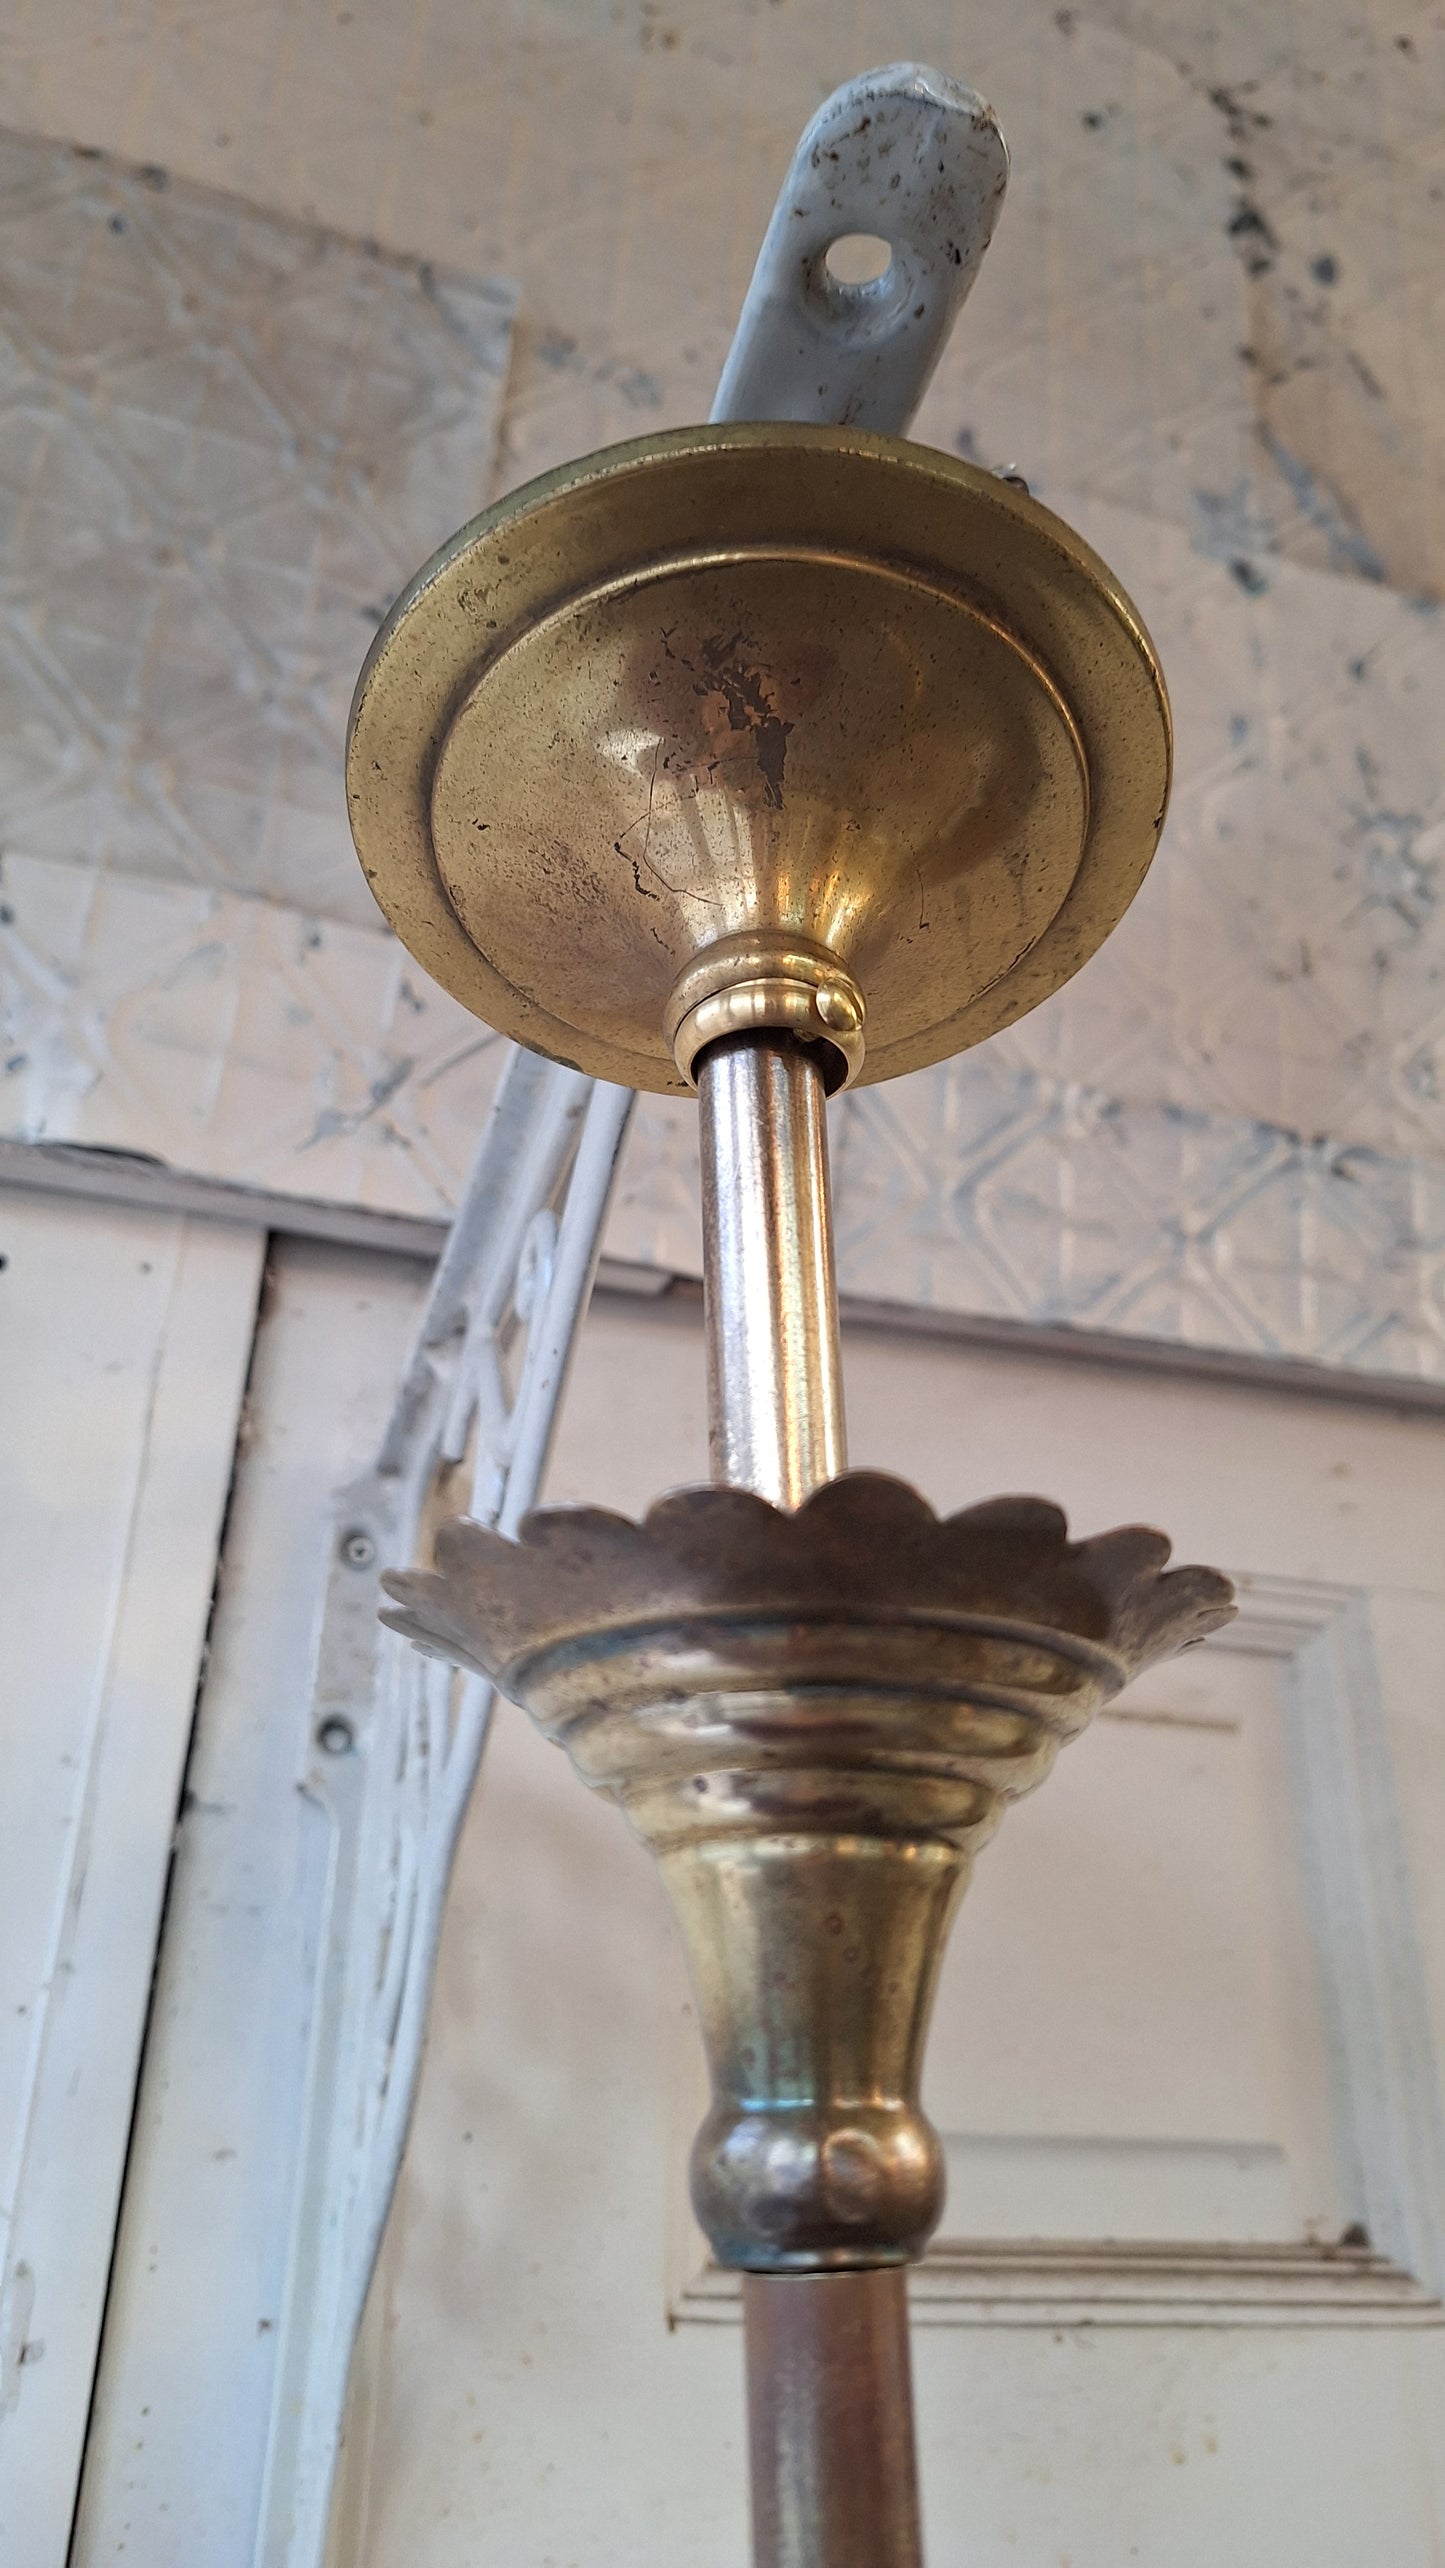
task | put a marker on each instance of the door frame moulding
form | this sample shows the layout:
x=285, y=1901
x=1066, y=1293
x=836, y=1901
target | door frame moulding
x=1385, y=2086
x=394, y=1739
x=91, y=2012
x=1053, y=2283
x=129, y=1178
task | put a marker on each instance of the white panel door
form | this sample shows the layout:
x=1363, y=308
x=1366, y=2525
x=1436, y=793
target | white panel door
x=124, y=1342
x=177, y=2456
x=1185, y=2306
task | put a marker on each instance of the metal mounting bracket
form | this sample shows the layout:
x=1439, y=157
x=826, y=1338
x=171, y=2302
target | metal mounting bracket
x=904, y=158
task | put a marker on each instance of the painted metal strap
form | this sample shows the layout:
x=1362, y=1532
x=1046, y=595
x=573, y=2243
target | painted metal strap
x=902, y=157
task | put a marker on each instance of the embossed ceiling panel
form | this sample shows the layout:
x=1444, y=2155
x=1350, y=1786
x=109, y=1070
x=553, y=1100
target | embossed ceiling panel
x=239, y=1039
x=1285, y=959
x=1214, y=295
x=1208, y=330
x=226, y=440
x=1005, y=1193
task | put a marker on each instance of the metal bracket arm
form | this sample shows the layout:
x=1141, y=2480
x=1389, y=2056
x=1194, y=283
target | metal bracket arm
x=902, y=156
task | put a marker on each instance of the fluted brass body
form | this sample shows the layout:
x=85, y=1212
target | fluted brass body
x=813, y=1720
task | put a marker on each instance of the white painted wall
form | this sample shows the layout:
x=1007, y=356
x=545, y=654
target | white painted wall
x=1145, y=1974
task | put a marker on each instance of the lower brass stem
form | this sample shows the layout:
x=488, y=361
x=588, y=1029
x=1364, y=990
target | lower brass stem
x=830, y=2420
x=829, y=2404
x=834, y=2481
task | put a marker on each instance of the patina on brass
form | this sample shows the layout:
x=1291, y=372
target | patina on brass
x=802, y=727
x=813, y=1720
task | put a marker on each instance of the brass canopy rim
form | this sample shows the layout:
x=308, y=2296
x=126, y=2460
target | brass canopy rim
x=888, y=704
x=903, y=570
x=630, y=454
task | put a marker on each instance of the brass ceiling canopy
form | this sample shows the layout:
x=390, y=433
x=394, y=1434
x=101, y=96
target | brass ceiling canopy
x=758, y=726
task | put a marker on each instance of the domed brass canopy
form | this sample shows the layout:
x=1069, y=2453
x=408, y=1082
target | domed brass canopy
x=781, y=724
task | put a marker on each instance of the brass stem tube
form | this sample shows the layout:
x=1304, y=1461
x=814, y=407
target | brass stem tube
x=834, y=2482
x=775, y=1381
x=830, y=2420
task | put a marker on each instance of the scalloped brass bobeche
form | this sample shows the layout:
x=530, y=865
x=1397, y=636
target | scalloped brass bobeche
x=813, y=1720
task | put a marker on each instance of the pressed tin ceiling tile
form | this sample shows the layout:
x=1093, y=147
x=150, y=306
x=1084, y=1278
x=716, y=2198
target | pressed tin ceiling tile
x=1205, y=331
x=237, y=1038
x=226, y=438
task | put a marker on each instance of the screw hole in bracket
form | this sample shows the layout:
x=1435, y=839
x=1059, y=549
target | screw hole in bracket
x=335, y=1736
x=858, y=259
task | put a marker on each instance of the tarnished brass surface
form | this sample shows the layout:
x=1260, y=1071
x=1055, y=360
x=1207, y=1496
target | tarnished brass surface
x=830, y=2420
x=813, y=1720
x=801, y=682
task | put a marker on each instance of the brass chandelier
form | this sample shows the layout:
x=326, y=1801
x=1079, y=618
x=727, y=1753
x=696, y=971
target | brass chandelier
x=755, y=761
